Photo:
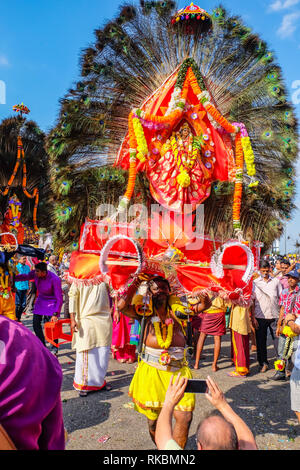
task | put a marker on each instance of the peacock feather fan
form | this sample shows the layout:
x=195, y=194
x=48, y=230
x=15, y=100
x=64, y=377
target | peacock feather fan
x=131, y=57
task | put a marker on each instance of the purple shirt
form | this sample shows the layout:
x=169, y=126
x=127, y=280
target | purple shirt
x=50, y=296
x=30, y=384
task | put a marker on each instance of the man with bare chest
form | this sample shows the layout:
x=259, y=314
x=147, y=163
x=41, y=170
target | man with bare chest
x=163, y=355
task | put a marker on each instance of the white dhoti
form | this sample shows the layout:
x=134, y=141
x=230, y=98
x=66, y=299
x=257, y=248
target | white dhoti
x=90, y=369
x=91, y=307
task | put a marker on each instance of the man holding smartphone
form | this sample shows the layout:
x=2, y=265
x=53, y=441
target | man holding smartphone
x=223, y=431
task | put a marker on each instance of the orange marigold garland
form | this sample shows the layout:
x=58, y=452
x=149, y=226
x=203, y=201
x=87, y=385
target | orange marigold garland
x=193, y=82
x=238, y=189
x=185, y=89
x=20, y=155
x=132, y=165
x=219, y=118
x=131, y=179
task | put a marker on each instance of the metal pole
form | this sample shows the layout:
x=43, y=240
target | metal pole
x=285, y=238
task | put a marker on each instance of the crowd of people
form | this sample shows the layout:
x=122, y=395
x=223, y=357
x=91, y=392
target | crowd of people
x=146, y=322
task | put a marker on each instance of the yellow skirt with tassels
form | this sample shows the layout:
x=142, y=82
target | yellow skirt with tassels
x=7, y=307
x=148, y=389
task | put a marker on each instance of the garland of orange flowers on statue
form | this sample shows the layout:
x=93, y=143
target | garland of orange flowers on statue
x=132, y=164
x=185, y=88
x=131, y=179
x=219, y=118
x=193, y=82
x=238, y=188
x=170, y=118
x=208, y=106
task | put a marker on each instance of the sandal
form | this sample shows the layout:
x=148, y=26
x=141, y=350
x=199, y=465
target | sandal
x=107, y=388
x=233, y=374
x=82, y=393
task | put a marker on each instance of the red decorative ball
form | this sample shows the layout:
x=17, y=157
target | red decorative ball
x=234, y=296
x=215, y=289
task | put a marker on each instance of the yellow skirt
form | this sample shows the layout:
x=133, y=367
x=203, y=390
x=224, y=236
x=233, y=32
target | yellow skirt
x=148, y=389
x=7, y=307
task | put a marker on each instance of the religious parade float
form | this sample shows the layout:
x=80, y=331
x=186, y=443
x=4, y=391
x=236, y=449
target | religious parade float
x=190, y=109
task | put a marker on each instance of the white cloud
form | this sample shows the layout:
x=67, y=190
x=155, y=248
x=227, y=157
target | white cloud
x=288, y=25
x=3, y=61
x=296, y=94
x=278, y=5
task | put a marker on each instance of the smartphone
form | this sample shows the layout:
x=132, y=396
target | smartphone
x=196, y=386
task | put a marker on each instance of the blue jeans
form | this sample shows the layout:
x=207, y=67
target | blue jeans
x=20, y=303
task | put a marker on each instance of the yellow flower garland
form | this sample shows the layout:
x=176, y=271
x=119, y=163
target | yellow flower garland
x=142, y=146
x=167, y=343
x=183, y=179
x=249, y=156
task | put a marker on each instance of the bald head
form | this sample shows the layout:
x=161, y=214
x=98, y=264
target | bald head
x=53, y=259
x=215, y=433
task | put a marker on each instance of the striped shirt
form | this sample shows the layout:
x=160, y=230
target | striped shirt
x=290, y=300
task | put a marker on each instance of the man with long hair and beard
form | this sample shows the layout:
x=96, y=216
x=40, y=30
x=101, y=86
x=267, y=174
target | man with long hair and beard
x=162, y=355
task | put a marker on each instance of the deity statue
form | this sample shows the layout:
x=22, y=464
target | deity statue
x=183, y=173
x=11, y=222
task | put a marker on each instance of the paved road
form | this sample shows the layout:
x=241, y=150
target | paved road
x=261, y=402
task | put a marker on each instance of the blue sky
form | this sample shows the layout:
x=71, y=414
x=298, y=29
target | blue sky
x=40, y=44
